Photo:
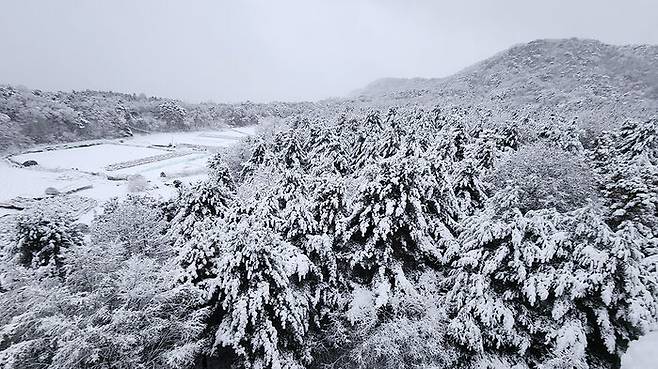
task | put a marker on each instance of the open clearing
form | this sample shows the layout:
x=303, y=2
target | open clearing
x=100, y=170
x=90, y=158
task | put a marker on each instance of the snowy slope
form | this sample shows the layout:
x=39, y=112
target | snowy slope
x=587, y=78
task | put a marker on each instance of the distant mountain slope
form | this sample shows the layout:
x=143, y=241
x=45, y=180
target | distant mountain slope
x=29, y=117
x=585, y=78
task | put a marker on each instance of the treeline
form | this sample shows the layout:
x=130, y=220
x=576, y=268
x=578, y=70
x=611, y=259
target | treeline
x=29, y=117
x=405, y=239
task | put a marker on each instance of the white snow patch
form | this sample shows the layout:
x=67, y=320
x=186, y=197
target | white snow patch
x=90, y=158
x=642, y=354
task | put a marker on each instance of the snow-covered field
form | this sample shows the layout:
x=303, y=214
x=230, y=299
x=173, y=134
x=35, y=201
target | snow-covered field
x=159, y=157
x=91, y=158
x=205, y=138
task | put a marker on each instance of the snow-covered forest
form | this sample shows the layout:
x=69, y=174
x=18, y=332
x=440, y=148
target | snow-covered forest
x=403, y=238
x=29, y=117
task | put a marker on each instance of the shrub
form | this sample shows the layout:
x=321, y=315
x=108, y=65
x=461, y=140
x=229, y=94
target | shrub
x=43, y=235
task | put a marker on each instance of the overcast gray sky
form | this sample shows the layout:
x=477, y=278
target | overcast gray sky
x=229, y=51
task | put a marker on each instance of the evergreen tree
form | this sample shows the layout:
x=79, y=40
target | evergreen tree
x=403, y=213
x=602, y=154
x=508, y=136
x=264, y=317
x=328, y=154
x=329, y=204
x=547, y=290
x=454, y=142
x=468, y=188
x=289, y=149
x=261, y=155
x=367, y=147
x=202, y=209
x=562, y=133
x=293, y=197
x=631, y=194
x=638, y=141
x=483, y=150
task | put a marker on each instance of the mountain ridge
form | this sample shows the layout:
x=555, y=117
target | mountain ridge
x=401, y=83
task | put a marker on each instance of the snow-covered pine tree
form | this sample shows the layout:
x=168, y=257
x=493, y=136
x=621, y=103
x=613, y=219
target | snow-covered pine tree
x=201, y=211
x=366, y=148
x=296, y=217
x=458, y=139
x=346, y=129
x=508, y=136
x=390, y=140
x=631, y=193
x=450, y=116
x=314, y=137
x=562, y=133
x=403, y=214
x=261, y=155
x=602, y=153
x=327, y=152
x=638, y=140
x=289, y=150
x=629, y=181
x=329, y=204
x=483, y=150
x=263, y=315
x=298, y=214
x=328, y=207
x=545, y=289
x=468, y=187
x=294, y=199
x=613, y=294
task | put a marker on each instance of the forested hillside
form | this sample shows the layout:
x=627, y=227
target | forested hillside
x=600, y=84
x=29, y=117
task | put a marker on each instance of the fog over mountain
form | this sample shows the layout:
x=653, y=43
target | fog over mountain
x=560, y=64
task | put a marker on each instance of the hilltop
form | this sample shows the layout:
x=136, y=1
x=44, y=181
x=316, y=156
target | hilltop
x=585, y=78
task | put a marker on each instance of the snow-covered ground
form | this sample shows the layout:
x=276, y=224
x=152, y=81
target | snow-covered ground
x=90, y=158
x=642, y=354
x=32, y=181
x=70, y=167
x=206, y=138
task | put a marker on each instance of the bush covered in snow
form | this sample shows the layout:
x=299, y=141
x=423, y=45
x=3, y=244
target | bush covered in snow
x=114, y=304
x=43, y=236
